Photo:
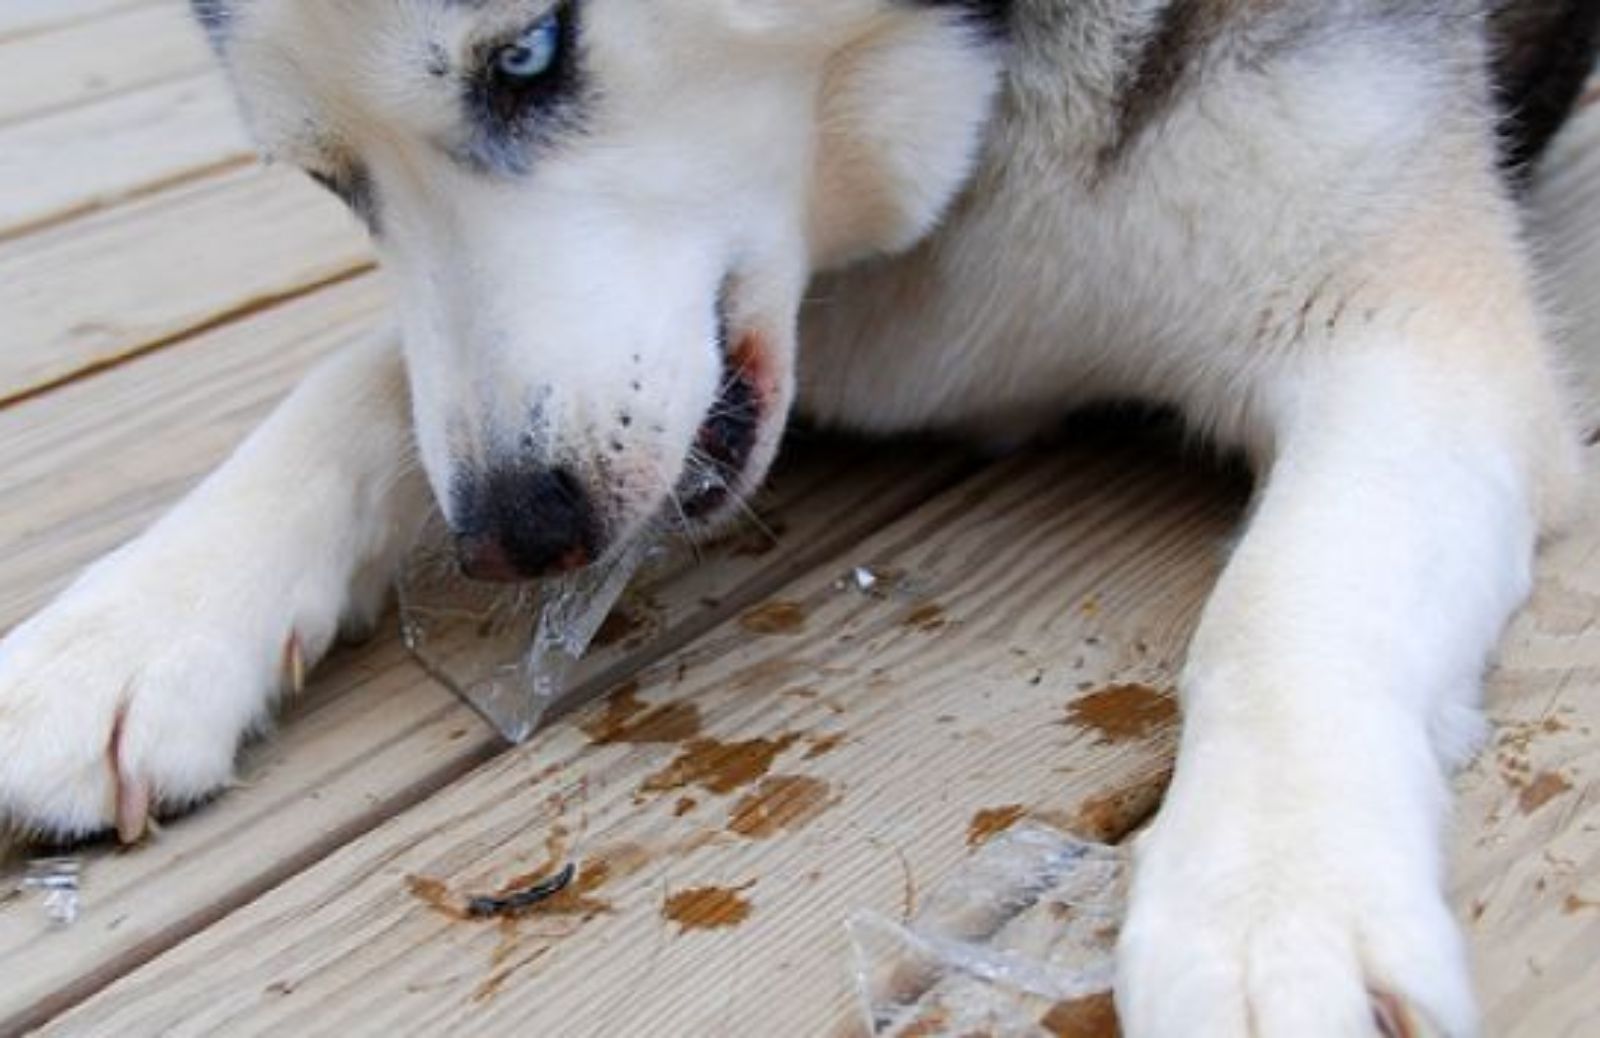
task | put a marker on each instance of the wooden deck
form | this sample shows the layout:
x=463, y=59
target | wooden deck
x=159, y=291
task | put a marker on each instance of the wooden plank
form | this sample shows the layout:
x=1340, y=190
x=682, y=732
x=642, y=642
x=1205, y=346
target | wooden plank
x=20, y=18
x=127, y=279
x=89, y=465
x=888, y=723
x=1528, y=827
x=110, y=55
x=115, y=149
x=93, y=461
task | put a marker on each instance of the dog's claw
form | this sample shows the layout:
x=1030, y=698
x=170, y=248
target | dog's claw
x=132, y=807
x=1396, y=1019
x=294, y=664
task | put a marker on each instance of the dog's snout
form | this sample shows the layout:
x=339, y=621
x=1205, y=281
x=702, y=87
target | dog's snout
x=521, y=524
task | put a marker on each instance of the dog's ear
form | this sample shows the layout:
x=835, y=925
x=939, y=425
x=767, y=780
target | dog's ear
x=902, y=117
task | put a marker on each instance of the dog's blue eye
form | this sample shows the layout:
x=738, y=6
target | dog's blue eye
x=534, y=53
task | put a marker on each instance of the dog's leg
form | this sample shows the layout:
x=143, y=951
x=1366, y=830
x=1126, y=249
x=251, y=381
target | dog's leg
x=1292, y=885
x=132, y=691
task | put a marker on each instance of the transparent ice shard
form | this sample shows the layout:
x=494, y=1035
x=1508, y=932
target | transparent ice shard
x=60, y=880
x=508, y=651
x=1028, y=926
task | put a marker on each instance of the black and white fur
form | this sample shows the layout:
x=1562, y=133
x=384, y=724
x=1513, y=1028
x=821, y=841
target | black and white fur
x=1293, y=220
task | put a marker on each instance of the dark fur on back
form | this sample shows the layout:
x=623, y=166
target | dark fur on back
x=1544, y=53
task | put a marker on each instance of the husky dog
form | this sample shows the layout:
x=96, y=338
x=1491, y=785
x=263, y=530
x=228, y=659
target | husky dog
x=1293, y=220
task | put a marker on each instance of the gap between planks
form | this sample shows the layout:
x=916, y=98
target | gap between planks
x=376, y=734
x=1087, y=567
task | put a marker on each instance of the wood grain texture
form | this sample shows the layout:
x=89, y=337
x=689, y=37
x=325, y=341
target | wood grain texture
x=124, y=280
x=20, y=18
x=114, y=149
x=100, y=58
x=903, y=717
x=1527, y=835
x=88, y=466
x=94, y=461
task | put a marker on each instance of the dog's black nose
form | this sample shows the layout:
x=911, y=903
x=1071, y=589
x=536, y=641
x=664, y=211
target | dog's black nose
x=521, y=524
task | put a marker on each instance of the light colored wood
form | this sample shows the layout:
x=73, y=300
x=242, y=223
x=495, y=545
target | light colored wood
x=110, y=150
x=20, y=18
x=93, y=462
x=99, y=58
x=122, y=280
x=1528, y=826
x=87, y=466
x=1029, y=589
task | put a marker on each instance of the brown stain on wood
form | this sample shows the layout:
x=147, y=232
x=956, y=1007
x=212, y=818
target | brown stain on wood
x=991, y=822
x=436, y=895
x=1092, y=1017
x=1575, y=904
x=775, y=618
x=623, y=625
x=719, y=767
x=628, y=719
x=1112, y=816
x=1122, y=713
x=684, y=806
x=823, y=745
x=933, y=1023
x=781, y=803
x=1544, y=787
x=707, y=908
x=928, y=617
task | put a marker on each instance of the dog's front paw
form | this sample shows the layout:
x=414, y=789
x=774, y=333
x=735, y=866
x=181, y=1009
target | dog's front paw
x=129, y=697
x=1240, y=927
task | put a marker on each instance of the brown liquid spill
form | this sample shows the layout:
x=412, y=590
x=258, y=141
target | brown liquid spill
x=707, y=908
x=1545, y=787
x=988, y=824
x=436, y=895
x=1112, y=816
x=823, y=745
x=933, y=1023
x=684, y=806
x=628, y=719
x=929, y=617
x=782, y=803
x=775, y=618
x=1092, y=1017
x=1575, y=904
x=719, y=767
x=1123, y=712
x=623, y=625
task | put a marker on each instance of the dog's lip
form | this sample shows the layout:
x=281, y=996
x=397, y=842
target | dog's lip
x=727, y=440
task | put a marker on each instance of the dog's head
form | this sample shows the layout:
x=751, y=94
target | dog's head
x=600, y=216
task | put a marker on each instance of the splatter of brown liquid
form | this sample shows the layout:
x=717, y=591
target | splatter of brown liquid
x=1092, y=1017
x=823, y=745
x=707, y=908
x=1545, y=787
x=782, y=803
x=775, y=618
x=933, y=1023
x=719, y=767
x=1123, y=712
x=628, y=719
x=988, y=824
x=1112, y=816
x=1575, y=904
x=927, y=618
x=623, y=625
